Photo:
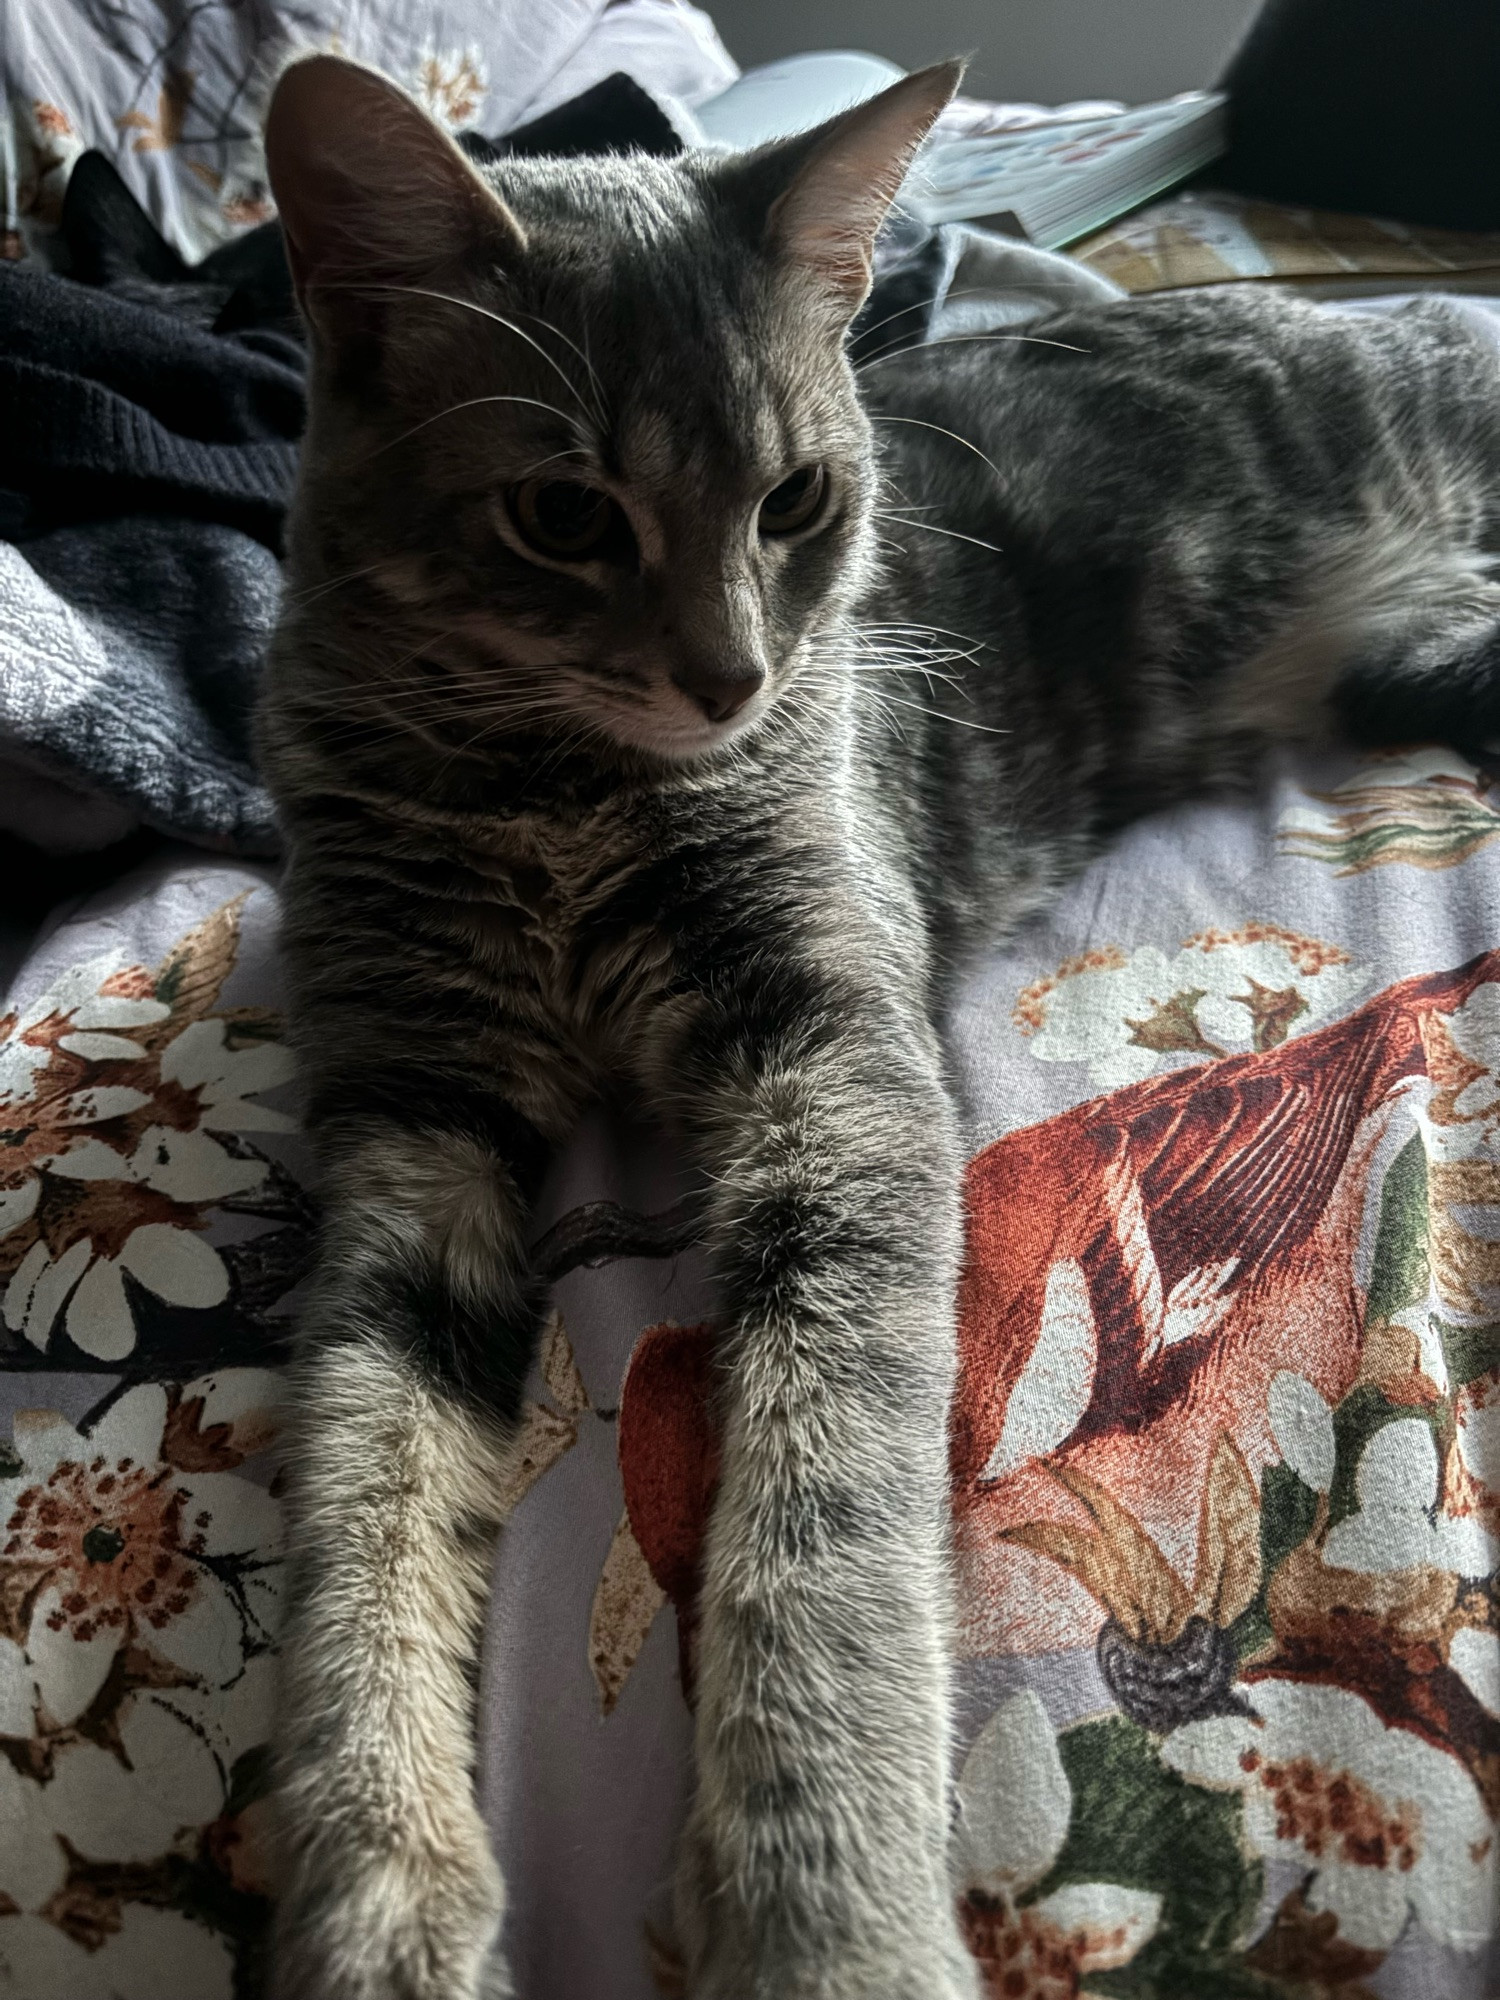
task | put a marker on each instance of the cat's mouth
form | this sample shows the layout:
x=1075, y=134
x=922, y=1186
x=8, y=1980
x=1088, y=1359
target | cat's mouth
x=681, y=733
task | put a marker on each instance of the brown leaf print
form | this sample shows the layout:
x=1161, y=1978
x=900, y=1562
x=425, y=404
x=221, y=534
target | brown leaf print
x=190, y=976
x=452, y=87
x=192, y=1447
x=243, y=1847
x=545, y=1434
x=1172, y=1025
x=539, y=1443
x=1117, y=1562
x=625, y=1605
x=49, y=119
x=161, y=133
x=1465, y=1267
x=560, y=1370
x=245, y=211
x=1304, y=1946
x=90, y=1905
x=1271, y=1013
x=1228, y=1572
x=1436, y=824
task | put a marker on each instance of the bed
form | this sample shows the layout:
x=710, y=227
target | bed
x=1225, y=1452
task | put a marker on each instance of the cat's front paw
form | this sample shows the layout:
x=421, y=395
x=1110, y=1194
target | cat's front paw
x=409, y=1925
x=821, y=1938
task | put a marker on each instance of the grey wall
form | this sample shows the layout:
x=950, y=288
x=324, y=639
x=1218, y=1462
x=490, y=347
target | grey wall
x=1046, y=50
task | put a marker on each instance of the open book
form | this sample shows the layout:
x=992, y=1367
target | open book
x=1059, y=176
x=1047, y=175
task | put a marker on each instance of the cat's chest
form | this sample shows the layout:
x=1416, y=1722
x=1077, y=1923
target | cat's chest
x=560, y=919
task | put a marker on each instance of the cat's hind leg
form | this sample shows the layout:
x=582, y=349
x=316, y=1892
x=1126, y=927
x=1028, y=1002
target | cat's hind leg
x=410, y=1365
x=1391, y=634
x=1439, y=685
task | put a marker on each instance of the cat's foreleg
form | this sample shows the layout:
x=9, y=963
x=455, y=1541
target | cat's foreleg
x=816, y=1865
x=411, y=1359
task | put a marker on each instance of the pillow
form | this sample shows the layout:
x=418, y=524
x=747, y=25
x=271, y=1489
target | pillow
x=175, y=99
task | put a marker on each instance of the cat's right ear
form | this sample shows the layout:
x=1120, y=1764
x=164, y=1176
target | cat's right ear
x=816, y=201
x=374, y=198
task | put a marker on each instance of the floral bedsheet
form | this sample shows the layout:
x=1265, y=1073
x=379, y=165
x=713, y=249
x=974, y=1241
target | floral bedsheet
x=1226, y=1449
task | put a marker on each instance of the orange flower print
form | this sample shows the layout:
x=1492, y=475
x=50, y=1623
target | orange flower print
x=161, y=133
x=104, y=1544
x=452, y=85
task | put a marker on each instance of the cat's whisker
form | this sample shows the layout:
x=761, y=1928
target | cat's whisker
x=601, y=416
x=961, y=721
x=942, y=430
x=310, y=593
x=487, y=312
x=926, y=305
x=960, y=339
x=942, y=632
x=471, y=403
x=928, y=674
x=932, y=528
x=540, y=464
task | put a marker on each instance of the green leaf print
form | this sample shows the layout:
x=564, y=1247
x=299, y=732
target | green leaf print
x=1398, y=1276
x=1470, y=1351
x=1435, y=824
x=1137, y=1823
x=1288, y=1510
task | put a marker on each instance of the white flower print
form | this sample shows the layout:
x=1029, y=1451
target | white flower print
x=91, y=1018
x=170, y=1261
x=106, y=1545
x=154, y=1955
x=1391, y=1825
x=226, y=1079
x=124, y=1809
x=1221, y=993
x=138, y=1667
x=1016, y=1804
x=150, y=1180
x=1302, y=1425
x=1399, y=1524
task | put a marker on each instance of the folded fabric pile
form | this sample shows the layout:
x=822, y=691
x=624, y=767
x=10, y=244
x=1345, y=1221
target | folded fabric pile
x=145, y=464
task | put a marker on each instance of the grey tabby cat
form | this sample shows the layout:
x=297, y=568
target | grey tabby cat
x=612, y=757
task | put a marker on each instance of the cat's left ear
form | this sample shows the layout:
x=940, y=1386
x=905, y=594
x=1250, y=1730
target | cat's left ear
x=838, y=181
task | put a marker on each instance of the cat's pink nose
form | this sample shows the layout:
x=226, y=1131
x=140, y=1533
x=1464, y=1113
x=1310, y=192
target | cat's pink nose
x=718, y=694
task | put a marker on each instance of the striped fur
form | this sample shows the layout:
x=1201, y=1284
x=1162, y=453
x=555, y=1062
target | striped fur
x=1056, y=581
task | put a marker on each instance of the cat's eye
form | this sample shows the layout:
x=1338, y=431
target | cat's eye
x=564, y=519
x=795, y=503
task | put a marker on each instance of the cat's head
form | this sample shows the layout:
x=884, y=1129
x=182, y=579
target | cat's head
x=586, y=458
